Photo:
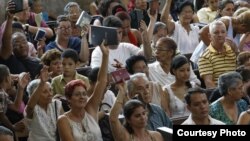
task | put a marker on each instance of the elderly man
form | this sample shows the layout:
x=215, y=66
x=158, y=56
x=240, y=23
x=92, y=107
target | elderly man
x=139, y=87
x=218, y=58
x=198, y=105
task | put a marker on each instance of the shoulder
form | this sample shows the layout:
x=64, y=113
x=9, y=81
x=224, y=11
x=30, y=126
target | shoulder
x=156, y=135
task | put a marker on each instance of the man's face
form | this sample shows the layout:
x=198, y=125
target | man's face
x=142, y=89
x=218, y=35
x=20, y=46
x=199, y=106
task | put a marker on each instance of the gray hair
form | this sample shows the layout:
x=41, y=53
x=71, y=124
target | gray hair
x=214, y=24
x=130, y=82
x=228, y=80
x=5, y=131
x=158, y=26
x=69, y=5
x=33, y=85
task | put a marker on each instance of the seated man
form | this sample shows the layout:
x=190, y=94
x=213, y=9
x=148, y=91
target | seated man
x=198, y=105
x=218, y=58
x=138, y=87
x=121, y=52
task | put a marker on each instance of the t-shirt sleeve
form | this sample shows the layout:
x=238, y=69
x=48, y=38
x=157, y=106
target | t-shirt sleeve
x=205, y=67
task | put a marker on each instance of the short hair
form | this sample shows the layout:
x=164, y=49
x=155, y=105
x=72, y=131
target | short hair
x=118, y=8
x=70, y=86
x=129, y=109
x=93, y=74
x=158, y=26
x=243, y=57
x=245, y=74
x=4, y=72
x=130, y=62
x=239, y=11
x=61, y=18
x=228, y=80
x=184, y=4
x=192, y=91
x=169, y=44
x=122, y=15
x=69, y=5
x=16, y=34
x=104, y=6
x=50, y=55
x=5, y=131
x=130, y=82
x=33, y=85
x=213, y=24
x=70, y=53
x=112, y=21
x=244, y=17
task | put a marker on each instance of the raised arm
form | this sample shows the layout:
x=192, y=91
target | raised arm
x=44, y=75
x=84, y=52
x=165, y=17
x=6, y=49
x=118, y=130
x=150, y=30
x=147, y=50
x=92, y=106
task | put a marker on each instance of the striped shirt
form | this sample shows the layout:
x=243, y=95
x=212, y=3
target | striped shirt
x=214, y=63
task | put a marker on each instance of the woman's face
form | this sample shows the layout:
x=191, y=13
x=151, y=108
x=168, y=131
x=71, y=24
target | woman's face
x=186, y=15
x=213, y=4
x=74, y=13
x=79, y=97
x=56, y=66
x=139, y=118
x=228, y=10
x=125, y=27
x=182, y=73
x=236, y=92
x=46, y=96
x=141, y=4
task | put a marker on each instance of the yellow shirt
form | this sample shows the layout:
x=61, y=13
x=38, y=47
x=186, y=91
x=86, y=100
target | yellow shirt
x=58, y=83
x=206, y=15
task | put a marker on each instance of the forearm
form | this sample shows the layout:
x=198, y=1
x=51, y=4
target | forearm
x=84, y=52
x=7, y=48
x=165, y=11
x=34, y=29
x=146, y=45
x=151, y=28
x=5, y=121
x=18, y=99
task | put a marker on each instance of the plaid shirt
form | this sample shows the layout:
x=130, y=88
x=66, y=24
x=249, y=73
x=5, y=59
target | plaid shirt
x=4, y=101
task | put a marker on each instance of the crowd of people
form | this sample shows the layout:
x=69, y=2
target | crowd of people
x=186, y=60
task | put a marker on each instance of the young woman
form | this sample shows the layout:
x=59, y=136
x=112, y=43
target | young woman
x=80, y=123
x=180, y=68
x=135, y=120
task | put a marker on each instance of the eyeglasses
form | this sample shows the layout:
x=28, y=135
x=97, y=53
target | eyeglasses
x=64, y=28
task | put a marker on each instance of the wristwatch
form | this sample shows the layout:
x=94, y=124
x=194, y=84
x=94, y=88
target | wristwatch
x=26, y=27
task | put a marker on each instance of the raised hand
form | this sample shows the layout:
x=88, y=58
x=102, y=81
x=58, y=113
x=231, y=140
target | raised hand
x=44, y=74
x=85, y=30
x=19, y=126
x=23, y=79
x=117, y=64
x=143, y=26
x=104, y=48
x=10, y=9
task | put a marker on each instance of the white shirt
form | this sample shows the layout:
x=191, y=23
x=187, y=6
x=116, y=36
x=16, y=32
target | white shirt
x=157, y=74
x=189, y=121
x=186, y=42
x=122, y=53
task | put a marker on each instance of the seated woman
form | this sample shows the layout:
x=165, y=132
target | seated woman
x=180, y=68
x=80, y=123
x=41, y=111
x=228, y=108
x=135, y=120
x=129, y=35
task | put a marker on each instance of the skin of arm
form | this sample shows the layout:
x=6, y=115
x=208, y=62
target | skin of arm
x=244, y=118
x=165, y=17
x=165, y=102
x=5, y=121
x=64, y=128
x=92, y=106
x=118, y=131
x=6, y=49
x=34, y=29
x=208, y=79
x=84, y=52
x=145, y=41
x=152, y=22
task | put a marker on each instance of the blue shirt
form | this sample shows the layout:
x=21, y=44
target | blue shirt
x=157, y=118
x=74, y=43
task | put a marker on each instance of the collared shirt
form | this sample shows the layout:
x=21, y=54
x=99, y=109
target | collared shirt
x=157, y=118
x=215, y=63
x=157, y=74
x=58, y=83
x=189, y=121
x=206, y=15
